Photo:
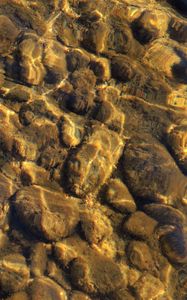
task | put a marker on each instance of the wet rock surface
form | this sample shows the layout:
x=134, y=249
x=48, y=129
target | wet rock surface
x=93, y=150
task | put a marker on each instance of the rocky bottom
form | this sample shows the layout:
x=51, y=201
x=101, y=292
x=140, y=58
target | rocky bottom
x=93, y=150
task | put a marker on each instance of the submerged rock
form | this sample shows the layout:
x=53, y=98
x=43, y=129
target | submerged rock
x=45, y=211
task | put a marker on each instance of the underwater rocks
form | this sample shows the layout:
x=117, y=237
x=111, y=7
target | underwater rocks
x=44, y=212
x=14, y=273
x=118, y=195
x=96, y=274
x=150, y=171
x=94, y=161
x=8, y=34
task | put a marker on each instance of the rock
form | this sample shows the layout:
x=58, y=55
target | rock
x=7, y=187
x=178, y=30
x=64, y=253
x=174, y=245
x=17, y=92
x=72, y=129
x=14, y=273
x=19, y=296
x=77, y=59
x=33, y=174
x=176, y=139
x=94, y=161
x=163, y=57
x=150, y=171
x=43, y=212
x=112, y=117
x=101, y=68
x=8, y=34
x=52, y=157
x=121, y=294
x=55, y=62
x=58, y=275
x=165, y=214
x=95, y=225
x=148, y=287
x=30, y=52
x=146, y=27
x=95, y=38
x=76, y=295
x=96, y=274
x=45, y=288
x=140, y=225
x=140, y=256
x=120, y=38
x=81, y=99
x=38, y=259
x=118, y=195
x=123, y=68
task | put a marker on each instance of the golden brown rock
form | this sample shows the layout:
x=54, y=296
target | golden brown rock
x=118, y=195
x=101, y=68
x=76, y=295
x=55, y=61
x=140, y=225
x=111, y=116
x=38, y=260
x=148, y=287
x=31, y=52
x=174, y=245
x=77, y=59
x=14, y=273
x=19, y=296
x=44, y=212
x=71, y=129
x=145, y=156
x=97, y=156
x=95, y=38
x=95, y=225
x=8, y=34
x=33, y=174
x=97, y=274
x=45, y=288
x=140, y=256
x=165, y=214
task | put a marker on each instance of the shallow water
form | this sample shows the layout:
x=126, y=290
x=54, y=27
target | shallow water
x=93, y=150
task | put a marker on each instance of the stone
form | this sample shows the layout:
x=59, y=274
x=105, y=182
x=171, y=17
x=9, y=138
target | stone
x=76, y=295
x=112, y=117
x=95, y=38
x=178, y=30
x=101, y=68
x=165, y=214
x=140, y=225
x=64, y=253
x=33, y=174
x=98, y=156
x=81, y=99
x=96, y=274
x=14, y=273
x=174, y=245
x=72, y=129
x=8, y=34
x=145, y=156
x=95, y=225
x=118, y=195
x=177, y=140
x=146, y=27
x=43, y=211
x=123, y=68
x=55, y=62
x=19, y=296
x=38, y=259
x=45, y=288
x=148, y=287
x=77, y=59
x=30, y=52
x=140, y=256
x=121, y=294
